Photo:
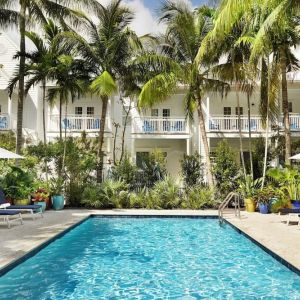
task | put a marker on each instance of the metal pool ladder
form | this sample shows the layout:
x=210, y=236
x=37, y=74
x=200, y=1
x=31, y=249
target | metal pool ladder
x=225, y=203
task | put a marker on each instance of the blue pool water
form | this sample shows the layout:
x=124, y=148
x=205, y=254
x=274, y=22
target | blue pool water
x=151, y=258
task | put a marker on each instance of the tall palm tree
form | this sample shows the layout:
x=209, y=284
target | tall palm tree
x=107, y=51
x=176, y=63
x=39, y=62
x=275, y=26
x=29, y=11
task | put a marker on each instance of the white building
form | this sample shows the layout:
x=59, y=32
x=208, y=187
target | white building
x=164, y=127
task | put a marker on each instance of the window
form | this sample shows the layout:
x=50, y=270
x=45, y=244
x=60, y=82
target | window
x=227, y=111
x=237, y=111
x=124, y=114
x=166, y=113
x=78, y=110
x=290, y=107
x=141, y=157
x=90, y=110
x=154, y=112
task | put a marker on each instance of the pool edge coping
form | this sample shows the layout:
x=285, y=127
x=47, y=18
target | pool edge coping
x=14, y=263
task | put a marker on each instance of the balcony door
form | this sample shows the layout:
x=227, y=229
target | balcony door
x=78, y=117
x=227, y=120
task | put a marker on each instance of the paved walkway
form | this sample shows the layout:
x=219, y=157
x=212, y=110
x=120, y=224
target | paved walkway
x=267, y=229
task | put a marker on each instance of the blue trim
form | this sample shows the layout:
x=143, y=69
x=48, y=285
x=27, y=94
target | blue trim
x=33, y=252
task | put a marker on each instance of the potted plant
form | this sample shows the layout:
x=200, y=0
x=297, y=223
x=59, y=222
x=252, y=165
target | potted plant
x=248, y=189
x=21, y=194
x=56, y=188
x=41, y=197
x=264, y=197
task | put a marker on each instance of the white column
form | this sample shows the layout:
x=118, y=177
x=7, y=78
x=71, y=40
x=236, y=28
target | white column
x=188, y=146
x=9, y=111
x=133, y=154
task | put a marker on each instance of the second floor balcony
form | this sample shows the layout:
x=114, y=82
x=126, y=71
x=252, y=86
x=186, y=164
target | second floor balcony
x=76, y=123
x=157, y=125
x=231, y=124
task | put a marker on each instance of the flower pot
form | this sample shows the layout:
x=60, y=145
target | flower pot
x=58, y=202
x=296, y=204
x=22, y=202
x=263, y=208
x=42, y=203
x=250, y=205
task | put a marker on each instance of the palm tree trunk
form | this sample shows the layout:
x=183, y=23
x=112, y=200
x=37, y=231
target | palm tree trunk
x=285, y=105
x=22, y=29
x=239, y=118
x=249, y=133
x=267, y=124
x=210, y=178
x=101, y=139
x=124, y=131
x=60, y=119
x=44, y=116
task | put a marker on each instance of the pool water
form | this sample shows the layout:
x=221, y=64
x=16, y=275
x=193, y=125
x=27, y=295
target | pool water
x=151, y=258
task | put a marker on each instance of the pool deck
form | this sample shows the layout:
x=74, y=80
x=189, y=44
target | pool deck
x=269, y=230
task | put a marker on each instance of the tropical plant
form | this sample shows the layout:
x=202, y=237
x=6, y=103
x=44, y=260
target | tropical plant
x=192, y=170
x=166, y=193
x=108, y=194
x=248, y=187
x=225, y=169
x=264, y=195
x=56, y=186
x=20, y=13
x=125, y=171
x=199, y=197
x=175, y=63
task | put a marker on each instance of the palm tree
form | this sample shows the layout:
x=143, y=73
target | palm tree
x=40, y=61
x=107, y=51
x=176, y=63
x=34, y=11
x=275, y=28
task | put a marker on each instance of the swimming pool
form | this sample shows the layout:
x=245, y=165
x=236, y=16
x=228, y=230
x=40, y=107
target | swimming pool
x=151, y=258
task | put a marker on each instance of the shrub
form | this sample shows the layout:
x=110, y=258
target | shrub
x=125, y=171
x=199, y=197
x=108, y=194
x=225, y=169
x=165, y=194
x=139, y=199
x=192, y=170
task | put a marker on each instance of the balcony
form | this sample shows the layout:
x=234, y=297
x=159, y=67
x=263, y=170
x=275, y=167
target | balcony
x=231, y=124
x=75, y=123
x=4, y=122
x=155, y=125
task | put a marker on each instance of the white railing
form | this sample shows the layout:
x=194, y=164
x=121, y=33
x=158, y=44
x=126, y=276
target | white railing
x=154, y=125
x=231, y=124
x=4, y=122
x=294, y=122
x=75, y=123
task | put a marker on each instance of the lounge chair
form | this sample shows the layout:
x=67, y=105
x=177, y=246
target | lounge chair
x=10, y=216
x=292, y=213
x=32, y=209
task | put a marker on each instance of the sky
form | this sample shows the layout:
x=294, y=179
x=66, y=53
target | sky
x=146, y=14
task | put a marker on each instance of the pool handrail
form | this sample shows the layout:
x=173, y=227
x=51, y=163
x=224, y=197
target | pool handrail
x=226, y=201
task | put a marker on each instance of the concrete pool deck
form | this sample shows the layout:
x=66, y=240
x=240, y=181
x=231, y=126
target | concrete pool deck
x=268, y=230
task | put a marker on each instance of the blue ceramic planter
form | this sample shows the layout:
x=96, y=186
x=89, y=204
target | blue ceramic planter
x=263, y=208
x=58, y=202
x=42, y=203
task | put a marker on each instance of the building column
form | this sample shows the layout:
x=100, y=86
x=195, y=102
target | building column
x=133, y=154
x=9, y=112
x=188, y=146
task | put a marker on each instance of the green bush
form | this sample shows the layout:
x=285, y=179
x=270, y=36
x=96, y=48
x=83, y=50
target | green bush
x=165, y=194
x=226, y=169
x=192, y=170
x=125, y=171
x=199, y=197
x=108, y=194
x=139, y=199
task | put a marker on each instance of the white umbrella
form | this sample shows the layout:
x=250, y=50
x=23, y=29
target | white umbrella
x=8, y=154
x=297, y=156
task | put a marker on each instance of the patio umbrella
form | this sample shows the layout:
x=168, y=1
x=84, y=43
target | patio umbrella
x=8, y=154
x=297, y=156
